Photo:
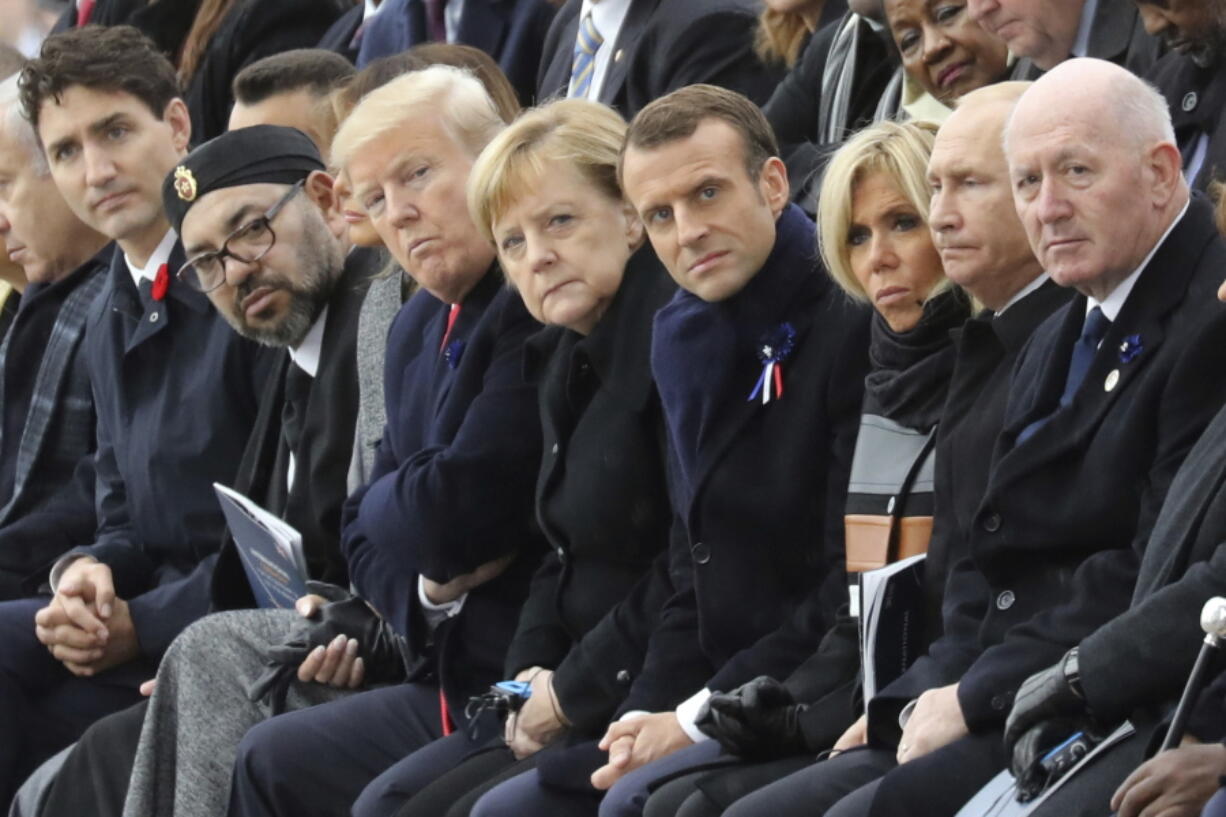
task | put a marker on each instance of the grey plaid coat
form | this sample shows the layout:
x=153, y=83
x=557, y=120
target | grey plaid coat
x=47, y=512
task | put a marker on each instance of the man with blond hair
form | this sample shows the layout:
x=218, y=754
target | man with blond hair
x=440, y=541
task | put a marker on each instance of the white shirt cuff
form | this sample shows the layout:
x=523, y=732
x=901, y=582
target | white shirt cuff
x=57, y=569
x=905, y=714
x=436, y=614
x=687, y=712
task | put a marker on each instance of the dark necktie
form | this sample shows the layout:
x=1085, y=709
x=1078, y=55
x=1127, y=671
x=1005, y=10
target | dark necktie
x=293, y=411
x=1092, y=333
x=436, y=19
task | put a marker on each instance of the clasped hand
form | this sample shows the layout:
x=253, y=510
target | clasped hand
x=637, y=742
x=85, y=627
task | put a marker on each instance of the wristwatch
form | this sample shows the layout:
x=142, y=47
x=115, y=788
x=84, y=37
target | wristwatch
x=1072, y=672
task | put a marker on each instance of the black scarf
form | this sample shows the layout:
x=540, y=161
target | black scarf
x=911, y=370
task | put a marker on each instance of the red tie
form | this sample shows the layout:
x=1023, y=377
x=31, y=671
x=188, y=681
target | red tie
x=444, y=715
x=161, y=283
x=85, y=9
x=451, y=316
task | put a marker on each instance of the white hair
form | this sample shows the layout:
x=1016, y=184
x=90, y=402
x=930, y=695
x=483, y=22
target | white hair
x=453, y=95
x=1137, y=109
x=14, y=124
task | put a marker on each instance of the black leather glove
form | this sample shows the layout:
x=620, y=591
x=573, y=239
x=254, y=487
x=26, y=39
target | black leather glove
x=1044, y=696
x=384, y=652
x=1033, y=776
x=758, y=720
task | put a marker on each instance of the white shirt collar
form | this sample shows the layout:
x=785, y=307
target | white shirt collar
x=370, y=9
x=306, y=354
x=1081, y=45
x=1113, y=303
x=607, y=15
x=160, y=256
x=1039, y=280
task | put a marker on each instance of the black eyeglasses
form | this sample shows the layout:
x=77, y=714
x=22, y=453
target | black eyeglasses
x=249, y=243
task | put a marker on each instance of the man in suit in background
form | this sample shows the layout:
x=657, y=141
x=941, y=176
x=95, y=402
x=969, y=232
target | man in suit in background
x=175, y=391
x=346, y=34
x=626, y=53
x=1192, y=80
x=511, y=31
x=1048, y=32
x=47, y=423
x=292, y=89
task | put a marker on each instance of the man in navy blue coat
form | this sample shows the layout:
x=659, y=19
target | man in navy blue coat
x=440, y=541
x=175, y=390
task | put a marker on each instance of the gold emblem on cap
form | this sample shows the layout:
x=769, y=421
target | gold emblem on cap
x=185, y=183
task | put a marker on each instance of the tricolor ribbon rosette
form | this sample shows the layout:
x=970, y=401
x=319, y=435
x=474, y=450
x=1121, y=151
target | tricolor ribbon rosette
x=774, y=348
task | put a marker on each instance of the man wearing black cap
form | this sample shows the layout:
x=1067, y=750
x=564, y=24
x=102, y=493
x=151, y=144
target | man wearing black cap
x=266, y=243
x=176, y=394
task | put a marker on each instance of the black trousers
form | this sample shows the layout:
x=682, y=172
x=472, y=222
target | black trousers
x=44, y=707
x=942, y=781
x=332, y=758
x=708, y=793
x=838, y=787
x=94, y=777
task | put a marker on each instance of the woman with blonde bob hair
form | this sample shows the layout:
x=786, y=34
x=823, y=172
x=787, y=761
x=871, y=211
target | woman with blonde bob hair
x=874, y=239
x=893, y=151
x=545, y=193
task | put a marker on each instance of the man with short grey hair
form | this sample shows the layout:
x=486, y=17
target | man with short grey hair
x=1047, y=32
x=47, y=415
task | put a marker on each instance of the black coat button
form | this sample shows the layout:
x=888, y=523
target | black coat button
x=991, y=523
x=563, y=557
x=623, y=677
x=999, y=703
x=1005, y=600
x=701, y=553
x=1190, y=101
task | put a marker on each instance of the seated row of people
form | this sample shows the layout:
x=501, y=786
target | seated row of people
x=737, y=589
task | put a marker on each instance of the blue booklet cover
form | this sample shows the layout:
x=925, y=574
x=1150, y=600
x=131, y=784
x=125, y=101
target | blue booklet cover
x=271, y=550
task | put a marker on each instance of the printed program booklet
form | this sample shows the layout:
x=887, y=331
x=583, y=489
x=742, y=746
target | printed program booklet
x=271, y=550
